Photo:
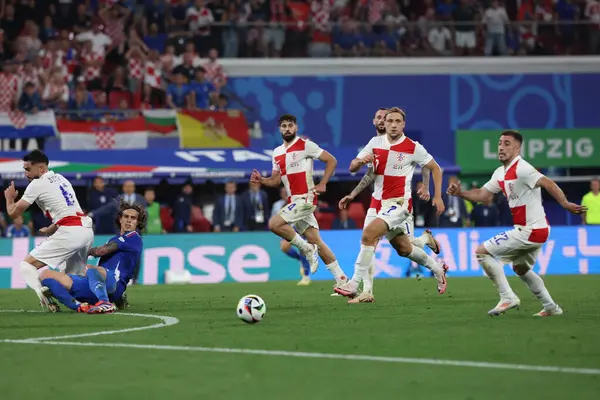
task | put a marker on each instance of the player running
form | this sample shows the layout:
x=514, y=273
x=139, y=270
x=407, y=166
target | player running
x=293, y=164
x=107, y=282
x=394, y=157
x=427, y=238
x=71, y=234
x=521, y=184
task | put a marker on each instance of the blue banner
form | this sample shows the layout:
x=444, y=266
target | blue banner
x=338, y=110
x=256, y=257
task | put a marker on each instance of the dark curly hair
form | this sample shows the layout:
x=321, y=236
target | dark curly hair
x=141, y=210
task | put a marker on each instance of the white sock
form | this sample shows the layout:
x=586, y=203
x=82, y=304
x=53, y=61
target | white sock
x=536, y=284
x=372, y=273
x=363, y=261
x=419, y=256
x=30, y=276
x=336, y=271
x=301, y=244
x=495, y=271
x=420, y=242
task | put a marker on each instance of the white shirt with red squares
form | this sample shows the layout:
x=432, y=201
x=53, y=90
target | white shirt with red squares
x=518, y=183
x=394, y=165
x=294, y=163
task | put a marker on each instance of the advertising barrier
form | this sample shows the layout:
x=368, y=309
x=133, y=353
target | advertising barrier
x=256, y=257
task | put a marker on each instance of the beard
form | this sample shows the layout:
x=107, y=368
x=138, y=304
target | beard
x=288, y=137
x=380, y=129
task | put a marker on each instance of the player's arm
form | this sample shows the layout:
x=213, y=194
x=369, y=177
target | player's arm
x=273, y=181
x=16, y=209
x=103, y=250
x=330, y=164
x=478, y=195
x=364, y=183
x=437, y=173
x=364, y=157
x=556, y=192
x=426, y=172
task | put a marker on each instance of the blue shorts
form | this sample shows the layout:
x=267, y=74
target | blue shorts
x=81, y=291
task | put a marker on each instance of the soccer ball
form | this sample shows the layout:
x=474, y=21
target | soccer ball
x=251, y=309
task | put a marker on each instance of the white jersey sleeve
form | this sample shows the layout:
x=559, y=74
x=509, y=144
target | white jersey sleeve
x=275, y=165
x=368, y=149
x=313, y=150
x=529, y=174
x=422, y=157
x=33, y=191
x=492, y=185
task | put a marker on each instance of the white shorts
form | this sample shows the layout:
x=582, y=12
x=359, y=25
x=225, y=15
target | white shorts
x=514, y=247
x=300, y=215
x=67, y=249
x=395, y=214
x=406, y=228
x=465, y=39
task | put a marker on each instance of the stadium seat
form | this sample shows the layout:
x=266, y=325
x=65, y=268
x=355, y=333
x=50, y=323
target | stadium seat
x=114, y=98
x=356, y=212
x=137, y=100
x=166, y=219
x=198, y=221
x=325, y=220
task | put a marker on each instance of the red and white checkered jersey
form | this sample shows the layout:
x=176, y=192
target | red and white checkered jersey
x=214, y=71
x=394, y=165
x=91, y=72
x=135, y=68
x=9, y=86
x=295, y=165
x=54, y=195
x=152, y=74
x=518, y=183
x=200, y=20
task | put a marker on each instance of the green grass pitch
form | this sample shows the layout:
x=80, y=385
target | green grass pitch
x=409, y=320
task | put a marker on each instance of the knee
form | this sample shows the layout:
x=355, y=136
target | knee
x=481, y=251
x=44, y=275
x=404, y=249
x=520, y=269
x=368, y=238
x=274, y=224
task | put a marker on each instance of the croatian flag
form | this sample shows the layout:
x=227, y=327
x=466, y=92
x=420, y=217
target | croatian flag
x=18, y=125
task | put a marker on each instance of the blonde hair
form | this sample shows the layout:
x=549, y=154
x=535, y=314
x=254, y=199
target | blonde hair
x=396, y=110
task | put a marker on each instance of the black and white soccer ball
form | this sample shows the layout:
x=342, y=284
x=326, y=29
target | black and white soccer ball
x=251, y=309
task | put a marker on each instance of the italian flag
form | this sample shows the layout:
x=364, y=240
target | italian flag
x=161, y=122
x=87, y=135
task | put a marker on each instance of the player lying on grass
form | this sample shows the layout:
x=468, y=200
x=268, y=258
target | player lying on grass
x=521, y=184
x=108, y=281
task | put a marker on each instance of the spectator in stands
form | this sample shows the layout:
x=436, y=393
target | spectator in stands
x=30, y=101
x=56, y=92
x=82, y=101
x=455, y=215
x=228, y=215
x=10, y=24
x=155, y=13
x=465, y=39
x=130, y=196
x=9, y=84
x=153, y=223
x=100, y=41
x=278, y=205
x=222, y=103
x=592, y=201
x=156, y=40
x=567, y=13
x=178, y=93
x=82, y=22
x=117, y=82
x=178, y=17
x=17, y=229
x=203, y=92
x=200, y=19
x=343, y=221
x=345, y=41
x=485, y=214
x=592, y=13
x=256, y=208
x=495, y=20
x=99, y=197
x=440, y=40
x=214, y=70
x=182, y=210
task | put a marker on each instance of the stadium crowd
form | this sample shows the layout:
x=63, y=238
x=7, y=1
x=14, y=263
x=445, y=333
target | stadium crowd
x=107, y=54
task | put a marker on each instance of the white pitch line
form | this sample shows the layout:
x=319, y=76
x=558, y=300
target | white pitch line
x=165, y=321
x=351, y=357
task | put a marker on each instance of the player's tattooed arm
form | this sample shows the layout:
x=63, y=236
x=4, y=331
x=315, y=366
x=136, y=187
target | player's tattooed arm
x=426, y=172
x=364, y=183
x=103, y=250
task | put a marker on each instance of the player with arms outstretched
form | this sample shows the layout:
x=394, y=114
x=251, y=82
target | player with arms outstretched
x=427, y=238
x=71, y=234
x=521, y=184
x=293, y=164
x=106, y=283
x=394, y=157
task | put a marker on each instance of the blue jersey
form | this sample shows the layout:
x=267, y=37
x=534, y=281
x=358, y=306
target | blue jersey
x=125, y=260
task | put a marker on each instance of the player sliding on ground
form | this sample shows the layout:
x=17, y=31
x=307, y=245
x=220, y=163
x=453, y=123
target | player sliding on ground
x=293, y=164
x=427, y=238
x=71, y=234
x=394, y=157
x=102, y=285
x=521, y=184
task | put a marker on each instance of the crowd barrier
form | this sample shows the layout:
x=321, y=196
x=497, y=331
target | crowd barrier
x=256, y=257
